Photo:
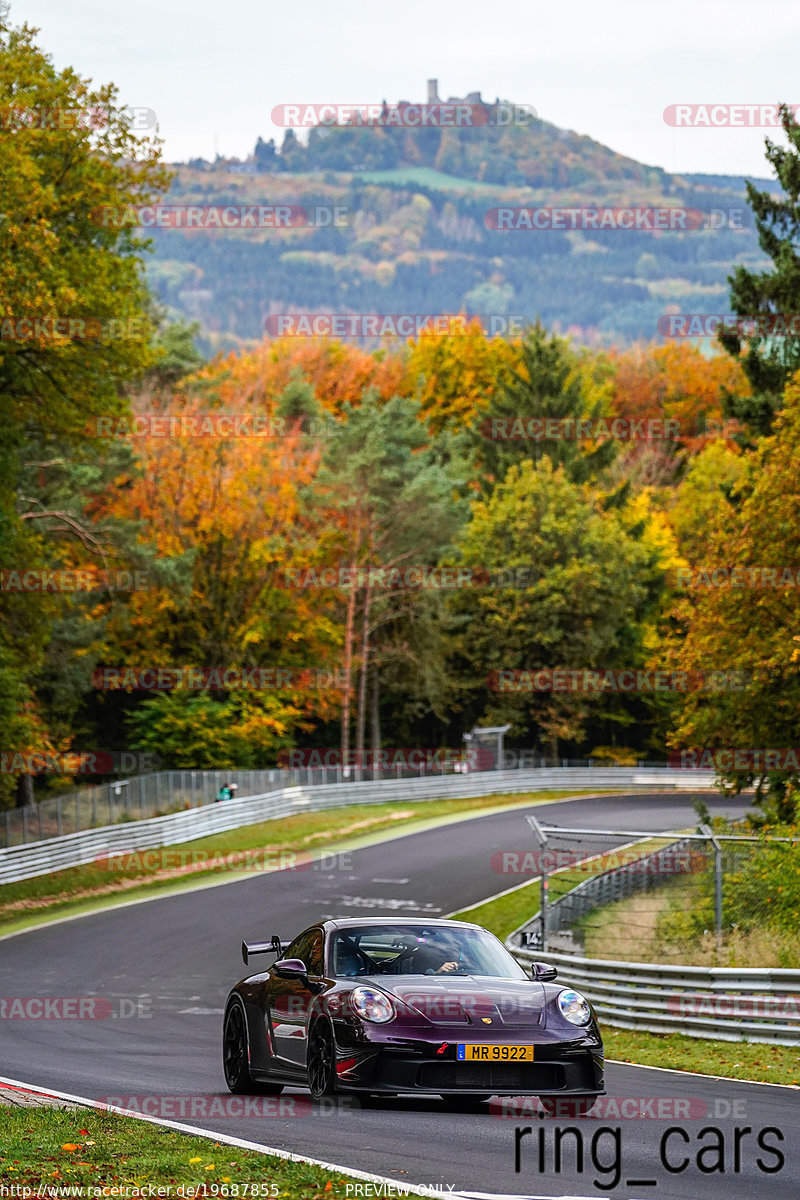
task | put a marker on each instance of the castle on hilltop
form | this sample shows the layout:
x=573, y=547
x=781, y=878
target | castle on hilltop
x=435, y=98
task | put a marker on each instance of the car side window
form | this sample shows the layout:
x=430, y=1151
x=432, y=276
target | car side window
x=308, y=948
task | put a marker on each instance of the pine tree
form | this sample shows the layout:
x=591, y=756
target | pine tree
x=548, y=384
x=769, y=362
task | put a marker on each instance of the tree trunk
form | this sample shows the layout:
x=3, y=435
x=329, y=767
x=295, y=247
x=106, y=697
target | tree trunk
x=361, y=718
x=554, y=748
x=24, y=790
x=348, y=675
x=375, y=715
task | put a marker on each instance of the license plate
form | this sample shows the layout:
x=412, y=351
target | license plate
x=472, y=1053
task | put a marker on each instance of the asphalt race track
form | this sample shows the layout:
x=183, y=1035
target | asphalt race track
x=169, y=963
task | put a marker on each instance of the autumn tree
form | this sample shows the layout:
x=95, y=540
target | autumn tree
x=74, y=322
x=220, y=486
x=749, y=627
x=454, y=376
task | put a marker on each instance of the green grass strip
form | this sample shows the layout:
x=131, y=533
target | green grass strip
x=85, y=1148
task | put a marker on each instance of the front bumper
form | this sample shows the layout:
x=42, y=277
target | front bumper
x=406, y=1065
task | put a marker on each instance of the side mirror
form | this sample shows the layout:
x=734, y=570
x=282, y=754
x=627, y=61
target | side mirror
x=290, y=968
x=543, y=972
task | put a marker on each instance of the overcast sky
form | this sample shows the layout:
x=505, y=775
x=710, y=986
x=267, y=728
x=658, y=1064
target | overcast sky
x=213, y=71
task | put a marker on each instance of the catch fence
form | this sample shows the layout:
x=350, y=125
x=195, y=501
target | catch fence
x=144, y=796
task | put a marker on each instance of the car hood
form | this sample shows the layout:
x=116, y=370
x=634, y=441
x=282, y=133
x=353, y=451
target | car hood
x=468, y=1000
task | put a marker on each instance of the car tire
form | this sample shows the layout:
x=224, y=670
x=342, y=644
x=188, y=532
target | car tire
x=234, y=1055
x=321, y=1061
x=568, y=1106
x=467, y=1102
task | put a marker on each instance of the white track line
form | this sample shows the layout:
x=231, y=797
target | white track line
x=792, y=1087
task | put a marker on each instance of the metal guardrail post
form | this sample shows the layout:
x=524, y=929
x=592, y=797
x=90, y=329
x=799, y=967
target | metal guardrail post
x=541, y=837
x=706, y=829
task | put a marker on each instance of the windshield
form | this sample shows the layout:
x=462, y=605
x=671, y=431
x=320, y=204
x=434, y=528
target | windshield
x=420, y=950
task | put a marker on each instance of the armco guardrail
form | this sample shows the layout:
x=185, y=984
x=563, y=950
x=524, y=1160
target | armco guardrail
x=139, y=797
x=55, y=854
x=733, y=1004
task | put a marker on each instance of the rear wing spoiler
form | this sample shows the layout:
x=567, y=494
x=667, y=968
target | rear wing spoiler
x=274, y=946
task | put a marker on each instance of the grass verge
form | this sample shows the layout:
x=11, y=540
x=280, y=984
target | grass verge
x=270, y=845
x=757, y=1062
x=88, y=1149
x=760, y=1062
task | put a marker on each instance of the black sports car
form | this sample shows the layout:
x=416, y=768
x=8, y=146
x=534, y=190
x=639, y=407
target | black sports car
x=377, y=1005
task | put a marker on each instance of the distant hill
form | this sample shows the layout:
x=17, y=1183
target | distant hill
x=418, y=239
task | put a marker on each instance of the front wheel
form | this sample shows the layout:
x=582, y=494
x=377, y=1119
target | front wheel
x=321, y=1062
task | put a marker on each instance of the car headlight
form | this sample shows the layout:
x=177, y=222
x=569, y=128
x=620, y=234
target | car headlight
x=372, y=1005
x=574, y=1008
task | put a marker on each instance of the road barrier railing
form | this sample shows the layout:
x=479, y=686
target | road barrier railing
x=732, y=1004
x=75, y=849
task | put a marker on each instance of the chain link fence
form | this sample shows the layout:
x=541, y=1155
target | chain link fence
x=702, y=898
